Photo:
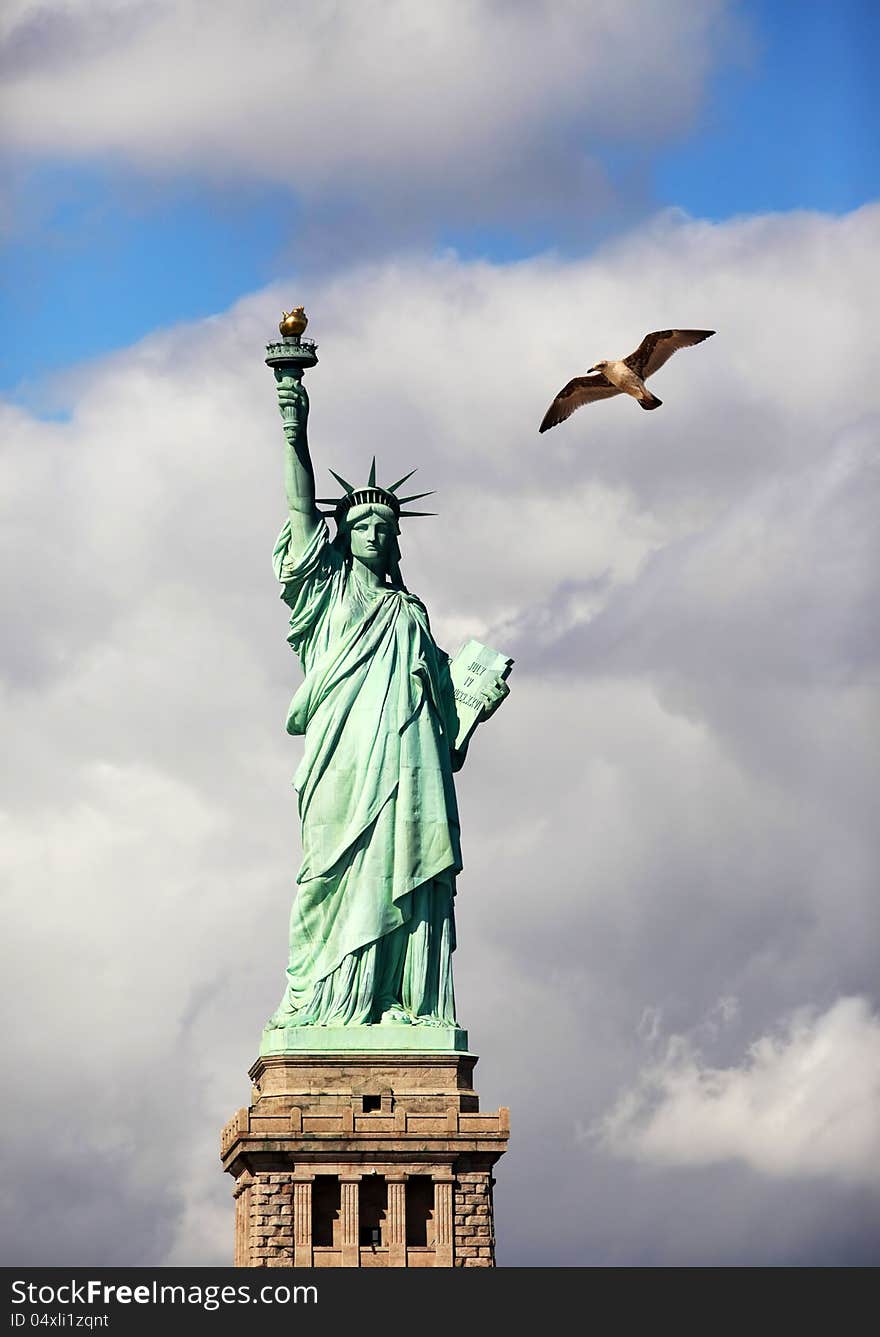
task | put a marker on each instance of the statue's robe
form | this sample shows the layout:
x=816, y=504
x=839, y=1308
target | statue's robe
x=372, y=925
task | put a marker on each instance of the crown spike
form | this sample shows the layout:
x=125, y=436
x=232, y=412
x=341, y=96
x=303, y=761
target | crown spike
x=400, y=482
x=372, y=493
x=341, y=481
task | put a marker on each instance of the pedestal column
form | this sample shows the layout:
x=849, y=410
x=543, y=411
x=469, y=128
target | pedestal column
x=443, y=1220
x=302, y=1221
x=242, y=1195
x=395, y=1220
x=349, y=1186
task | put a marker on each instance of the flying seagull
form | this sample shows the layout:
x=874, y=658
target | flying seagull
x=627, y=377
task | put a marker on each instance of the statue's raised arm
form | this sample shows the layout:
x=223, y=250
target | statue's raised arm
x=299, y=473
x=289, y=359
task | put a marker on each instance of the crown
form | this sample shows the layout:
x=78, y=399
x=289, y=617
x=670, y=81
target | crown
x=373, y=493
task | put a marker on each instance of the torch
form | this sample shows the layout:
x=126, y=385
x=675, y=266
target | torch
x=289, y=358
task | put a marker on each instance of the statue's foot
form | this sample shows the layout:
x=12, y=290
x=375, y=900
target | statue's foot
x=433, y=1020
x=395, y=1016
x=282, y=1019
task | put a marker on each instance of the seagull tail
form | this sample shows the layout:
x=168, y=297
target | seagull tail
x=649, y=401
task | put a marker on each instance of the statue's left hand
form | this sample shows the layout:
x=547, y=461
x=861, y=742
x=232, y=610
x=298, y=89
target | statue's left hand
x=493, y=692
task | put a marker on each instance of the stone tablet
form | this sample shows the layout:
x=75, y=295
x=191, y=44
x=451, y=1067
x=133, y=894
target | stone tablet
x=474, y=664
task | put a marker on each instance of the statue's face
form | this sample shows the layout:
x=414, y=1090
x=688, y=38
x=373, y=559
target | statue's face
x=371, y=536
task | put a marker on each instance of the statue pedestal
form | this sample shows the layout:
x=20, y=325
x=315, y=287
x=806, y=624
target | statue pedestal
x=364, y=1039
x=364, y=1159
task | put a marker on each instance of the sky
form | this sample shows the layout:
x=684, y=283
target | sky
x=668, y=916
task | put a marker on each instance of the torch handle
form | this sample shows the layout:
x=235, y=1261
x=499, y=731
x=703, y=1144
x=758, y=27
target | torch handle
x=293, y=401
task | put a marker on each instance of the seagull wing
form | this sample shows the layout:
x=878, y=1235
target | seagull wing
x=657, y=348
x=582, y=390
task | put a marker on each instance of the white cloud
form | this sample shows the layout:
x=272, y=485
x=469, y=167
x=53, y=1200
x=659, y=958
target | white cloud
x=674, y=805
x=805, y=1101
x=481, y=104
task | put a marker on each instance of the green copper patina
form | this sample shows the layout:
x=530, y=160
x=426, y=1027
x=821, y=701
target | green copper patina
x=372, y=929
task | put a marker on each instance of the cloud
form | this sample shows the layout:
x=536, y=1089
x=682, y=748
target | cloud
x=805, y=1101
x=673, y=806
x=487, y=107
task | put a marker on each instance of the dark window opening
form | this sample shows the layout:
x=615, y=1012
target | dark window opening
x=325, y=1210
x=372, y=1205
x=372, y=1103
x=420, y=1211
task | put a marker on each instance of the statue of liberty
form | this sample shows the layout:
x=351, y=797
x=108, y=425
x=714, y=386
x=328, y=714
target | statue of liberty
x=372, y=929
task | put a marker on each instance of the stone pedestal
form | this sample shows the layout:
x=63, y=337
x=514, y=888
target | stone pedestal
x=364, y=1160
